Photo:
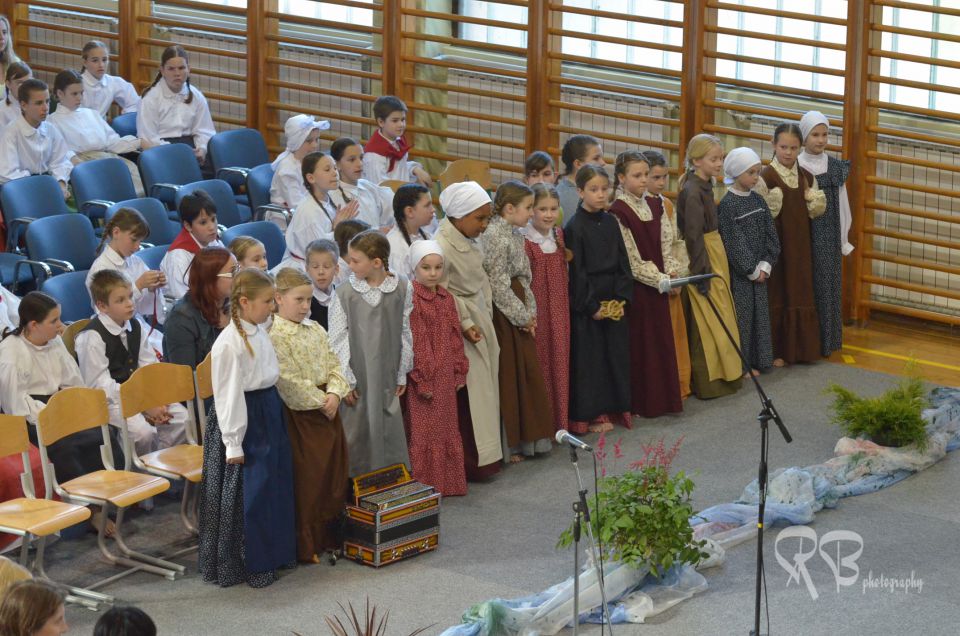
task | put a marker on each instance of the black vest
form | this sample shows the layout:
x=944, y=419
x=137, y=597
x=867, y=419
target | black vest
x=318, y=313
x=121, y=361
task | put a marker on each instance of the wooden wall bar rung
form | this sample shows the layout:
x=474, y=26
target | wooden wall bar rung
x=926, y=86
x=793, y=66
x=599, y=86
x=647, y=119
x=192, y=48
x=920, y=214
x=771, y=37
x=479, y=139
x=776, y=13
x=914, y=187
x=616, y=15
x=912, y=312
x=609, y=39
x=904, y=236
x=316, y=90
x=316, y=112
x=237, y=33
x=912, y=262
x=901, y=108
x=92, y=33
x=636, y=68
x=623, y=138
x=323, y=44
x=913, y=287
x=916, y=136
x=322, y=68
x=919, y=59
x=945, y=37
x=483, y=46
x=466, y=19
x=464, y=66
x=466, y=90
x=914, y=161
x=771, y=88
x=63, y=6
x=203, y=6
x=914, y=6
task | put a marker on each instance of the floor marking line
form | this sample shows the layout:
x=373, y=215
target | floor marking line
x=896, y=356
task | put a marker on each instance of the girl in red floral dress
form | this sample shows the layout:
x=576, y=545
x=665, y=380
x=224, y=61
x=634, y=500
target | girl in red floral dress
x=439, y=371
x=548, y=267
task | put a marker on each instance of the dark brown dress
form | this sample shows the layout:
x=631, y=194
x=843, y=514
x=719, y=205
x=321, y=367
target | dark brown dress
x=794, y=324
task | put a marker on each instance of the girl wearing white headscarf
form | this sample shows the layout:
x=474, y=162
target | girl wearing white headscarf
x=467, y=210
x=828, y=232
x=303, y=137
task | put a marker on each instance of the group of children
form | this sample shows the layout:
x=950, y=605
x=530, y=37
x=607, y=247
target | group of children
x=385, y=336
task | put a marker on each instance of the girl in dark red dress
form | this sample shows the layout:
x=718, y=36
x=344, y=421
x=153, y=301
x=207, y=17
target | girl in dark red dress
x=439, y=371
x=550, y=284
x=655, y=385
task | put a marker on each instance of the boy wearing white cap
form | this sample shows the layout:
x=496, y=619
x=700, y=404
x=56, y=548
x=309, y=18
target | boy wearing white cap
x=828, y=232
x=302, y=133
x=467, y=209
x=750, y=240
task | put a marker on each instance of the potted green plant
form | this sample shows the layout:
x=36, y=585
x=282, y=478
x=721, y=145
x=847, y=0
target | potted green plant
x=891, y=419
x=642, y=516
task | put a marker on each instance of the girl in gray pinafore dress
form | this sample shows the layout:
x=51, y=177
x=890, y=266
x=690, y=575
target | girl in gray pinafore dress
x=370, y=333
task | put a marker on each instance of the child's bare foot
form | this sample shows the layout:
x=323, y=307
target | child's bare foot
x=779, y=363
x=315, y=558
x=579, y=428
x=601, y=427
x=516, y=459
x=753, y=372
x=111, y=528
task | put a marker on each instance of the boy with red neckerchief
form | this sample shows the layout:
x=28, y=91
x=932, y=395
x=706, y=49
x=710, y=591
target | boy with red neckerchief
x=386, y=155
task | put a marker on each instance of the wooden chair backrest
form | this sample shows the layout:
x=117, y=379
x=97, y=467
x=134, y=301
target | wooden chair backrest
x=393, y=184
x=70, y=334
x=70, y=411
x=205, y=378
x=467, y=170
x=156, y=385
x=13, y=435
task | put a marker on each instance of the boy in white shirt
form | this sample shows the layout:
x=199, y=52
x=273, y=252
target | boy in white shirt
x=198, y=218
x=386, y=155
x=110, y=349
x=31, y=145
x=101, y=91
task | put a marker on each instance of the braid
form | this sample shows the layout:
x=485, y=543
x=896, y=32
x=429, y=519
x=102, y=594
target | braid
x=189, y=99
x=403, y=230
x=107, y=231
x=235, y=317
x=249, y=283
x=155, y=80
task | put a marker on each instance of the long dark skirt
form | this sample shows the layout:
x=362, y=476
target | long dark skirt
x=320, y=466
x=471, y=458
x=247, y=526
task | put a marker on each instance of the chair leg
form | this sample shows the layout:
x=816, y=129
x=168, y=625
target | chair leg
x=185, y=507
x=164, y=568
x=78, y=595
x=149, y=563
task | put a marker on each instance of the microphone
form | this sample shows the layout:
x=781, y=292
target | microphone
x=666, y=285
x=563, y=436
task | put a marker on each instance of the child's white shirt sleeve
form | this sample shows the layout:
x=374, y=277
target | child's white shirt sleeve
x=340, y=338
x=406, y=337
x=92, y=356
x=227, y=379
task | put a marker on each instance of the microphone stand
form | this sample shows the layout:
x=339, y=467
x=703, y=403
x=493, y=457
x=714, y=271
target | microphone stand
x=768, y=412
x=581, y=518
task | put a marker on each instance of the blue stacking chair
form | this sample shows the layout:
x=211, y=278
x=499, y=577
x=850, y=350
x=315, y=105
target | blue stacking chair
x=18, y=274
x=24, y=200
x=98, y=184
x=233, y=153
x=67, y=242
x=125, y=124
x=228, y=212
x=164, y=169
x=152, y=256
x=162, y=229
x=264, y=231
x=70, y=290
x=258, y=191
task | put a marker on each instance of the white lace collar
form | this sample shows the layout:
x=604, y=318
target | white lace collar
x=362, y=286
x=547, y=242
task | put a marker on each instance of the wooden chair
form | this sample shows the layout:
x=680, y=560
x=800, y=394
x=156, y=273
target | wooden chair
x=79, y=409
x=203, y=376
x=70, y=334
x=467, y=170
x=36, y=519
x=393, y=184
x=155, y=385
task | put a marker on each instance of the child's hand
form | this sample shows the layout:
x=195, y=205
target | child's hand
x=347, y=212
x=473, y=334
x=331, y=405
x=351, y=398
x=64, y=190
x=427, y=396
x=146, y=144
x=151, y=280
x=460, y=386
x=401, y=389
x=762, y=278
x=423, y=177
x=198, y=153
x=598, y=315
x=235, y=460
x=157, y=415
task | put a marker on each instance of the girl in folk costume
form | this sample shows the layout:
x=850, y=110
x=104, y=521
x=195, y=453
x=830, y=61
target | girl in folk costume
x=302, y=133
x=414, y=213
x=549, y=281
x=249, y=252
x=828, y=232
x=750, y=240
x=467, y=209
x=439, y=372
x=524, y=403
x=376, y=202
x=316, y=217
x=578, y=151
x=247, y=526
x=716, y=366
x=600, y=287
x=649, y=241
x=794, y=198
x=370, y=332
x=661, y=206
x=311, y=385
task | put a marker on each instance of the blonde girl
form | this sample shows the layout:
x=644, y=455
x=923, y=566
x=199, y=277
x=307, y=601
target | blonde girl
x=249, y=252
x=247, y=471
x=655, y=386
x=370, y=331
x=100, y=89
x=7, y=56
x=546, y=249
x=716, y=366
x=311, y=385
x=525, y=406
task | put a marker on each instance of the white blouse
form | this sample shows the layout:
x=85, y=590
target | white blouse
x=375, y=168
x=9, y=309
x=311, y=221
x=84, y=130
x=400, y=251
x=164, y=114
x=176, y=267
x=235, y=371
x=339, y=328
x=100, y=95
x=376, y=202
x=9, y=112
x=287, y=187
x=92, y=355
x=25, y=151
x=26, y=369
x=148, y=302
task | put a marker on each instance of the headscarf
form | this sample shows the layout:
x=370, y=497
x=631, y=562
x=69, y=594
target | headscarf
x=738, y=161
x=811, y=120
x=296, y=131
x=420, y=249
x=460, y=199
